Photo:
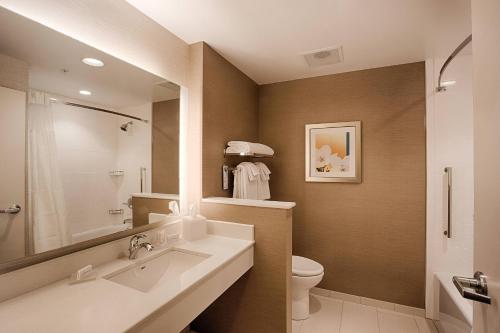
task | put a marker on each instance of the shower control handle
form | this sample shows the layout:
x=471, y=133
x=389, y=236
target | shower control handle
x=14, y=209
x=475, y=288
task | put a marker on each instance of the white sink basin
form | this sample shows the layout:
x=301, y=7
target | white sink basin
x=167, y=267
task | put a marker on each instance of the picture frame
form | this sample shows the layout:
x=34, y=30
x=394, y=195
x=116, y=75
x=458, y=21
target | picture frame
x=333, y=152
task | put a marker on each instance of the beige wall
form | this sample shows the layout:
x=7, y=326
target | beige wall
x=229, y=113
x=14, y=80
x=370, y=237
x=141, y=207
x=13, y=244
x=165, y=154
x=260, y=301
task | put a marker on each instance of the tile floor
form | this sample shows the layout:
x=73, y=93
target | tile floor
x=330, y=315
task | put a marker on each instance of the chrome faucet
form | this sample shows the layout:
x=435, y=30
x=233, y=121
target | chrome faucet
x=135, y=246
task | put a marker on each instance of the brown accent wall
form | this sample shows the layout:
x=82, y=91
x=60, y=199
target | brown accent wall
x=14, y=73
x=370, y=237
x=260, y=301
x=143, y=206
x=165, y=154
x=230, y=112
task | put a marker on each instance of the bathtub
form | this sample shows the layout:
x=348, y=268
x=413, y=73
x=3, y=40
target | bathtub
x=455, y=312
x=98, y=232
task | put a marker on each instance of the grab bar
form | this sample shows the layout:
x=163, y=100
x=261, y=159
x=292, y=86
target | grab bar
x=14, y=209
x=143, y=179
x=449, y=172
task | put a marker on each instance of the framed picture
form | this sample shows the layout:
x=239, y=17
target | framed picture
x=333, y=152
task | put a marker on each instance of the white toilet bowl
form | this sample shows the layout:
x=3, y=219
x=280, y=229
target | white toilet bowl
x=306, y=274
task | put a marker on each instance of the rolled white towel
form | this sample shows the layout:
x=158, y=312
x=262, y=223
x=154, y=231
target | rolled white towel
x=243, y=147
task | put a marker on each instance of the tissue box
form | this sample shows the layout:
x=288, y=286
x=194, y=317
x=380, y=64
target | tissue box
x=194, y=227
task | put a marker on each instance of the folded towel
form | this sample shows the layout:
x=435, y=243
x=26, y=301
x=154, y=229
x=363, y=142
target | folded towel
x=243, y=147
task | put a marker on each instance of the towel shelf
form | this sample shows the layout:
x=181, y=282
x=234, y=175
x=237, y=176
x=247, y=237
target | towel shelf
x=246, y=154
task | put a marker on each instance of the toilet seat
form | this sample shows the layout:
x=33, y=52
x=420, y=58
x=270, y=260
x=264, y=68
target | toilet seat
x=305, y=267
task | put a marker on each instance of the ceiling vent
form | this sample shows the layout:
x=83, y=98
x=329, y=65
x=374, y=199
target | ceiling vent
x=324, y=57
x=169, y=85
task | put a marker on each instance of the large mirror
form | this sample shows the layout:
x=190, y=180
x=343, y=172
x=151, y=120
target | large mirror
x=81, y=135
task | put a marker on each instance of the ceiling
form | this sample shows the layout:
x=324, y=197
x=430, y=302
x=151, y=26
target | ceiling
x=55, y=67
x=266, y=38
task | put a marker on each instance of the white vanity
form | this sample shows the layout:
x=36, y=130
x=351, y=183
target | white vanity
x=163, y=290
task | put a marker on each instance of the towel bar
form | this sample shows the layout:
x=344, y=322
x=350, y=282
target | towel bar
x=14, y=209
x=449, y=175
x=225, y=176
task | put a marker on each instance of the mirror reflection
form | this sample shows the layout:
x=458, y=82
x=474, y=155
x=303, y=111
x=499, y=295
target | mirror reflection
x=81, y=134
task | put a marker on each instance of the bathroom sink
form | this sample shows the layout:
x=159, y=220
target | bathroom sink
x=168, y=267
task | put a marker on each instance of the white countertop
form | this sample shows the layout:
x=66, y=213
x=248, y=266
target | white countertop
x=249, y=202
x=105, y=306
x=164, y=196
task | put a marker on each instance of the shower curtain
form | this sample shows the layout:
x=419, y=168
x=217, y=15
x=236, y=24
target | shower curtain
x=47, y=212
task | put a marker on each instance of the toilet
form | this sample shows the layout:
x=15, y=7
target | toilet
x=306, y=274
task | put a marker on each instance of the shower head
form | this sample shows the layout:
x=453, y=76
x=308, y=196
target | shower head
x=125, y=126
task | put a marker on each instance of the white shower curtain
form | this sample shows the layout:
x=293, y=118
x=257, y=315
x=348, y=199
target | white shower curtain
x=47, y=212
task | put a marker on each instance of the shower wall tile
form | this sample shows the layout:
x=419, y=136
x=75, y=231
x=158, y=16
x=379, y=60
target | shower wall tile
x=89, y=146
x=449, y=144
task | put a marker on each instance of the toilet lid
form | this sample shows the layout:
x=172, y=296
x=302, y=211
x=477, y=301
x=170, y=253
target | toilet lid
x=305, y=267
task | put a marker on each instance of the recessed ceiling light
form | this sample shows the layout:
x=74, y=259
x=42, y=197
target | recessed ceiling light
x=52, y=99
x=85, y=92
x=93, y=62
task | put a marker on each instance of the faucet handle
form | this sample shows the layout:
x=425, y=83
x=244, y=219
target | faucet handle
x=135, y=239
x=140, y=236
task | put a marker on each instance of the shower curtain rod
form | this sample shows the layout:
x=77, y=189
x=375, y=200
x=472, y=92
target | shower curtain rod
x=104, y=110
x=450, y=58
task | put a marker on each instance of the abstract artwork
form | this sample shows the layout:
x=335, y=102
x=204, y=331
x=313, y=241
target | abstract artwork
x=333, y=152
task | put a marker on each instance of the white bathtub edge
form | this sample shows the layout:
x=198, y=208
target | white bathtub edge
x=464, y=305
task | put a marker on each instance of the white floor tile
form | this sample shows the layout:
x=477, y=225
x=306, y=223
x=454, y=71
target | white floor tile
x=425, y=325
x=393, y=322
x=325, y=314
x=296, y=326
x=332, y=315
x=358, y=318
